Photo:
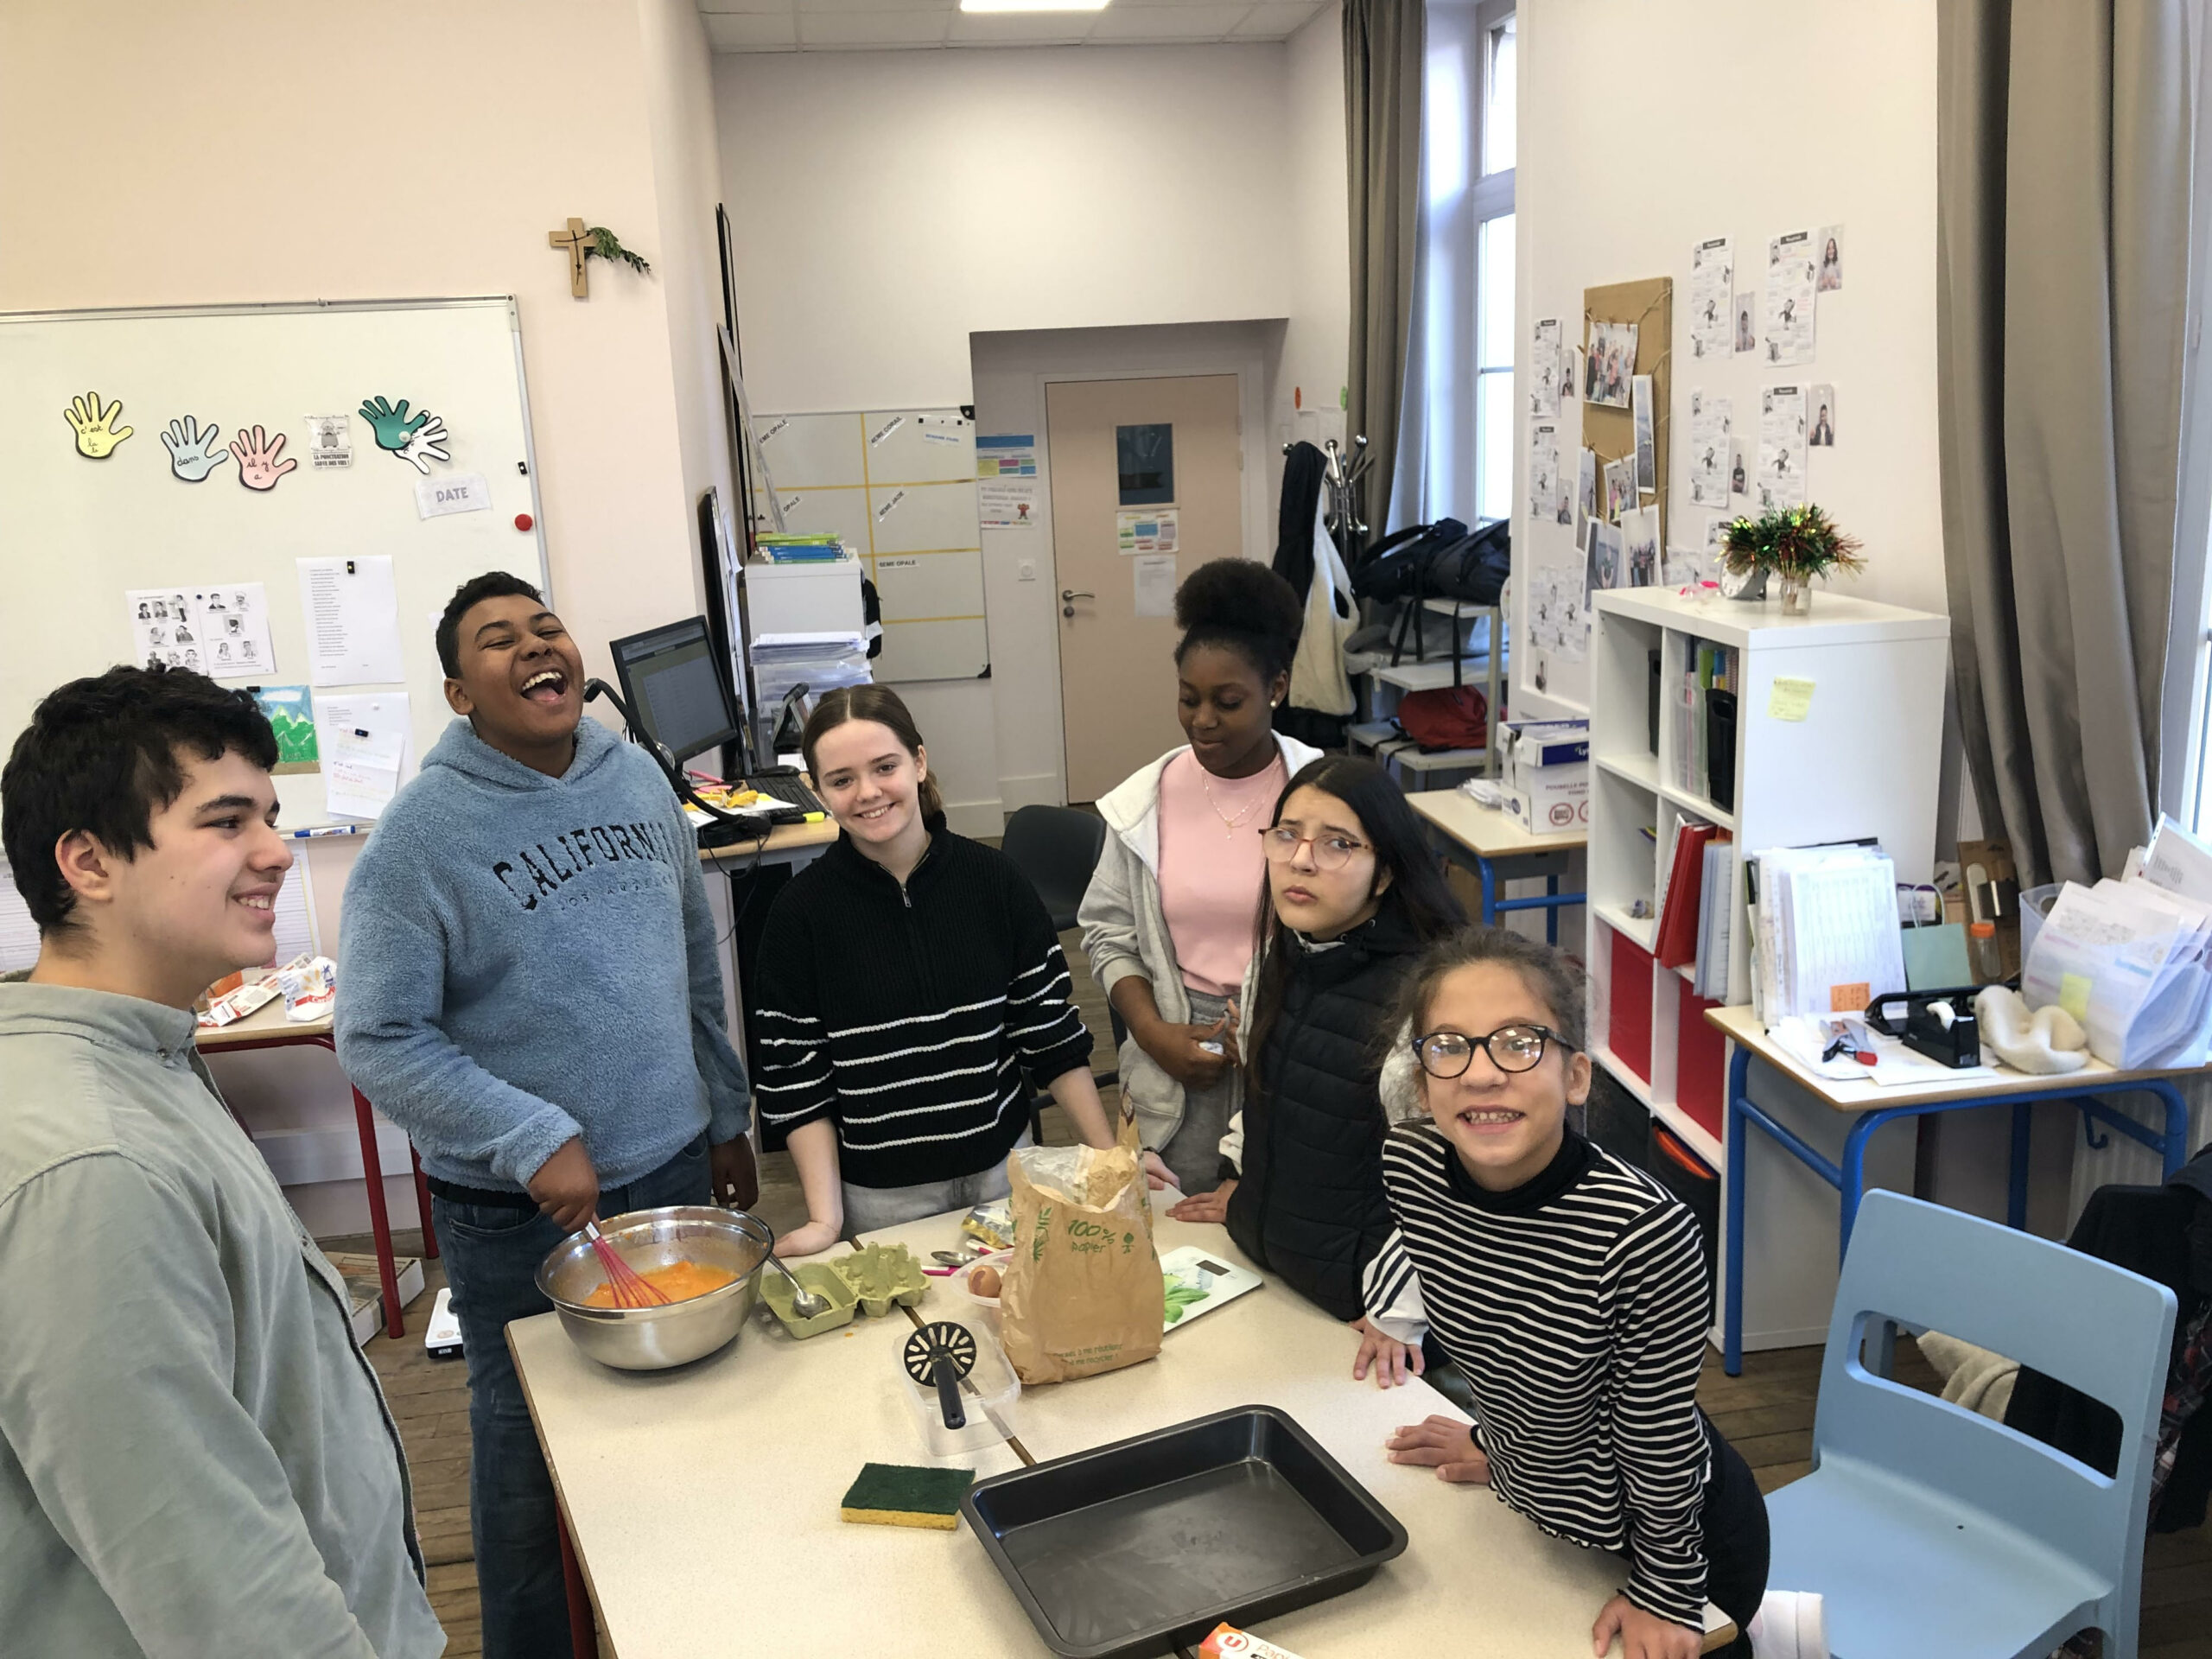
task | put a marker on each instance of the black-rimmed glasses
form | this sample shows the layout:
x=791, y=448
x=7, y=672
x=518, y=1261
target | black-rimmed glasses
x=1448, y=1054
x=1331, y=851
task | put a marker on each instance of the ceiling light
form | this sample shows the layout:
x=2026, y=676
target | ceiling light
x=1033, y=5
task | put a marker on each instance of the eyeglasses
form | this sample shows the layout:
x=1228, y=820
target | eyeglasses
x=1331, y=851
x=1511, y=1048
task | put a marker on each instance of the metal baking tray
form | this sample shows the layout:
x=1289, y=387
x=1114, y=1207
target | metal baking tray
x=1141, y=1547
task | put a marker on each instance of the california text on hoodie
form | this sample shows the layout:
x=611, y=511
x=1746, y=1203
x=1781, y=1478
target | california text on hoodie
x=528, y=958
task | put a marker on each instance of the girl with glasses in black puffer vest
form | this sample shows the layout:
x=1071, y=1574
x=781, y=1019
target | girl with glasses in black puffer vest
x=1352, y=897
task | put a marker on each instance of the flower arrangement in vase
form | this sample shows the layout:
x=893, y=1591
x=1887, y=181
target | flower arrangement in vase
x=1792, y=545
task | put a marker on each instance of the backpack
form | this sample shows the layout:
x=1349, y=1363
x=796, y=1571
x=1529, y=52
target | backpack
x=1449, y=717
x=1396, y=566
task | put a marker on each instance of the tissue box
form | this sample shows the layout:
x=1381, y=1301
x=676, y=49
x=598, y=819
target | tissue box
x=1546, y=774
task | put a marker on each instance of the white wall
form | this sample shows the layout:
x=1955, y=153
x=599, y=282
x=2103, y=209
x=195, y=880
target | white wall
x=1744, y=118
x=198, y=182
x=890, y=205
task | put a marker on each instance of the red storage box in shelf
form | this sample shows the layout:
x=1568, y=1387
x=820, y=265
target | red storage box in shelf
x=1629, y=1029
x=1700, y=1062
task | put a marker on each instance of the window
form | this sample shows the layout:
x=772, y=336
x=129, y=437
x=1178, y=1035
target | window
x=1493, y=212
x=1466, y=326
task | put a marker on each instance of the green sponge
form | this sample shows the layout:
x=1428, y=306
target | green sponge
x=899, y=1495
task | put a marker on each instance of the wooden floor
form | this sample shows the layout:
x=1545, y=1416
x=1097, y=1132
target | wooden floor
x=1767, y=1414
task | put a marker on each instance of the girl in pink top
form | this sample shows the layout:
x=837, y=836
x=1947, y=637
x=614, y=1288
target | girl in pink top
x=1171, y=916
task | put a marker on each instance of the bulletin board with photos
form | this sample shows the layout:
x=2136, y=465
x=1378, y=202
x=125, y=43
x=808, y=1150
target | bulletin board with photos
x=1758, y=417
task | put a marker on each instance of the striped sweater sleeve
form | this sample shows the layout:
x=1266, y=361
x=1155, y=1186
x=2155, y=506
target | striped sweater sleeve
x=1040, y=1014
x=791, y=1085
x=1660, y=1316
x=1390, y=1290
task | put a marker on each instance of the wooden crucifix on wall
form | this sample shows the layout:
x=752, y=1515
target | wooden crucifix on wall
x=575, y=239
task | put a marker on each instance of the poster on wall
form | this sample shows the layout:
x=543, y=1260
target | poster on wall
x=222, y=632
x=1781, y=448
x=1711, y=421
x=1141, y=531
x=1006, y=503
x=1790, y=274
x=1544, y=365
x=1713, y=277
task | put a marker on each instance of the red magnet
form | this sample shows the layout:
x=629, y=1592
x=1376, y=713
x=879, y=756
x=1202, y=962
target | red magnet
x=523, y=521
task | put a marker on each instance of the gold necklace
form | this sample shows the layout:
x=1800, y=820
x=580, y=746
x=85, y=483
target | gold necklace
x=1229, y=825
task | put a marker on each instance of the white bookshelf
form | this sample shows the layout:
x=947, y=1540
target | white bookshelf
x=1863, y=762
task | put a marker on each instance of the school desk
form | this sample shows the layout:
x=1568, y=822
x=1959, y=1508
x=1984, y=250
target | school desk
x=266, y=1027
x=1497, y=848
x=1870, y=1105
x=702, y=1501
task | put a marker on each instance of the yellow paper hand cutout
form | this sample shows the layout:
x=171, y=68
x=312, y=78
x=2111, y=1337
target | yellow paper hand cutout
x=97, y=433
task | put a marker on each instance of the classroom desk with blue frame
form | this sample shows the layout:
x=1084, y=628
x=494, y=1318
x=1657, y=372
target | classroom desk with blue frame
x=1496, y=848
x=1874, y=1105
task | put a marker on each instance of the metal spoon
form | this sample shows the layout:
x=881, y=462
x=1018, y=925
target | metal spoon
x=805, y=1304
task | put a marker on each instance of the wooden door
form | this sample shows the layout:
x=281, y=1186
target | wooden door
x=1116, y=477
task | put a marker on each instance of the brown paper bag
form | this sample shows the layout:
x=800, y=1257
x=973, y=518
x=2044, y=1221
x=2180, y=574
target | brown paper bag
x=1083, y=1293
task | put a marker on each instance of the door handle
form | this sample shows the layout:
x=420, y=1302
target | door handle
x=1068, y=596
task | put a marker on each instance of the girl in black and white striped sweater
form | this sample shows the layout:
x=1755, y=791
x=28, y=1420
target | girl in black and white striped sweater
x=1569, y=1287
x=908, y=979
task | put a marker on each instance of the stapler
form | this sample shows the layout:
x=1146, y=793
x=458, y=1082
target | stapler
x=1939, y=1024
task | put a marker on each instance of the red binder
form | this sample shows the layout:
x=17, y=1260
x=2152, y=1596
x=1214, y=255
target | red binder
x=1629, y=1033
x=1677, y=940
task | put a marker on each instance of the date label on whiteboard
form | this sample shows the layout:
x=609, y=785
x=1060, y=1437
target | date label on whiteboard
x=898, y=564
x=884, y=512
x=886, y=429
x=452, y=493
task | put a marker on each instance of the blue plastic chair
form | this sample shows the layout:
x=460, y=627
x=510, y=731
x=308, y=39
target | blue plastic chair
x=1934, y=1532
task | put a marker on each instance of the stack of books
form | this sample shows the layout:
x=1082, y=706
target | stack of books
x=818, y=548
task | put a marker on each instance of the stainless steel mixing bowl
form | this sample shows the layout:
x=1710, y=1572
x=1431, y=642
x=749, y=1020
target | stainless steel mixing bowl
x=653, y=1338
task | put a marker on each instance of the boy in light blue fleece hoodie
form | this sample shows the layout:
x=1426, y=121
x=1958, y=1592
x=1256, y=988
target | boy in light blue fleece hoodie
x=528, y=985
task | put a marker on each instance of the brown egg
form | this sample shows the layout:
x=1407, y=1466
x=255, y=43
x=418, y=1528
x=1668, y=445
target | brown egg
x=984, y=1281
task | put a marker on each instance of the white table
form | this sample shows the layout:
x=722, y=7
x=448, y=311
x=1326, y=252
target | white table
x=703, y=1501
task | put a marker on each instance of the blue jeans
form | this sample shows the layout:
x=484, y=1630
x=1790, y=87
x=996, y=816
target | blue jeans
x=491, y=1254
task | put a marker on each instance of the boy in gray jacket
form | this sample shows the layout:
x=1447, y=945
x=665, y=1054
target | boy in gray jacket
x=194, y=1456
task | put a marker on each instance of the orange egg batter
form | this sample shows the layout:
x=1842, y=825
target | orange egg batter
x=679, y=1281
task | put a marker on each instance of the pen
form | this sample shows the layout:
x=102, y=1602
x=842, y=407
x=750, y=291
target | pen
x=326, y=830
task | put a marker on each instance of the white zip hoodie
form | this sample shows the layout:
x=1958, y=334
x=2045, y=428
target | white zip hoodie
x=1125, y=930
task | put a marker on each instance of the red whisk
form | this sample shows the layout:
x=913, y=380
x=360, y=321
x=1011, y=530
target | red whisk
x=630, y=1288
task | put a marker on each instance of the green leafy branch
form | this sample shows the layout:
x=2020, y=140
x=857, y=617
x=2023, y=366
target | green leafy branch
x=605, y=244
x=1792, y=541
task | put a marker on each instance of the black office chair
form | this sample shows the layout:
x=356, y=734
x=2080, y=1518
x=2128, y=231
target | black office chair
x=1057, y=848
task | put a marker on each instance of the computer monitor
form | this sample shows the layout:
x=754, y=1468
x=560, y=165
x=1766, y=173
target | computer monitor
x=670, y=679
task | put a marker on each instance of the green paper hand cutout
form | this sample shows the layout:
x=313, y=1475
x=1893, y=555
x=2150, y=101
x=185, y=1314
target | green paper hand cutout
x=255, y=453
x=392, y=425
x=191, y=457
x=96, y=435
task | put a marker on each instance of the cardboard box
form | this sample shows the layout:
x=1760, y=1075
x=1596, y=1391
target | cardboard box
x=1546, y=774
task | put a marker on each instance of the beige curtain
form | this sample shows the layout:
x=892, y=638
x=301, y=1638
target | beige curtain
x=1384, y=41
x=2064, y=145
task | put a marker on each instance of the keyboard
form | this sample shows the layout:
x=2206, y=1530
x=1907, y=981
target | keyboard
x=793, y=800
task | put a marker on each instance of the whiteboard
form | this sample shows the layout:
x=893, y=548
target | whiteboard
x=77, y=533
x=898, y=486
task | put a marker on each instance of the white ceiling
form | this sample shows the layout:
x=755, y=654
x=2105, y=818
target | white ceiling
x=873, y=25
